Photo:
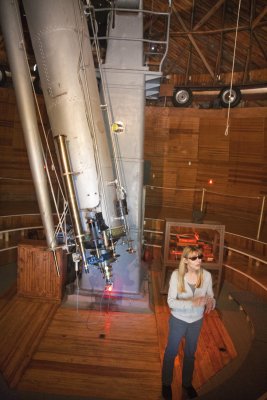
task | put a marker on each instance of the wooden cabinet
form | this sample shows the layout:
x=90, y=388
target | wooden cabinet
x=178, y=234
x=37, y=273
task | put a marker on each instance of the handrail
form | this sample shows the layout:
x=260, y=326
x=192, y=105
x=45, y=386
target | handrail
x=261, y=260
x=246, y=275
x=206, y=191
x=149, y=231
x=245, y=237
x=246, y=254
x=8, y=248
x=22, y=215
x=228, y=233
x=21, y=229
x=6, y=232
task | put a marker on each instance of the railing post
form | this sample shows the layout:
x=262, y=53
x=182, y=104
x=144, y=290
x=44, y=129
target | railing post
x=260, y=222
x=202, y=199
x=6, y=235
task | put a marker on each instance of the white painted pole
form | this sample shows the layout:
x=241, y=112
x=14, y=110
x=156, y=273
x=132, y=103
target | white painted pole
x=261, y=216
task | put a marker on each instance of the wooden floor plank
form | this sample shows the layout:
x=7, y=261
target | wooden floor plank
x=22, y=324
x=138, y=386
x=126, y=361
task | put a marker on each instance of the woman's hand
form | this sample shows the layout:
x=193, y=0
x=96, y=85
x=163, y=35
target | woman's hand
x=199, y=301
x=202, y=301
x=210, y=305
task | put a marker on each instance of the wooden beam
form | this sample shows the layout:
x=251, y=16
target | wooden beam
x=213, y=31
x=189, y=59
x=249, y=50
x=209, y=14
x=220, y=52
x=192, y=40
x=262, y=48
x=259, y=17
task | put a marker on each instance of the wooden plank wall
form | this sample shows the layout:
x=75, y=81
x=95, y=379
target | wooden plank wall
x=187, y=147
x=17, y=194
x=14, y=162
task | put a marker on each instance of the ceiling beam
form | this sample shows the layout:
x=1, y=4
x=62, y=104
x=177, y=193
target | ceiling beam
x=259, y=17
x=249, y=50
x=215, y=31
x=262, y=48
x=220, y=50
x=192, y=40
x=189, y=59
x=209, y=14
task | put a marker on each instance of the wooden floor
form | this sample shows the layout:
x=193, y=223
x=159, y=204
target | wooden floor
x=116, y=355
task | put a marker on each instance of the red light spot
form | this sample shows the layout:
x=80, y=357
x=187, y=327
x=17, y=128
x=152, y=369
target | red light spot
x=210, y=181
x=108, y=288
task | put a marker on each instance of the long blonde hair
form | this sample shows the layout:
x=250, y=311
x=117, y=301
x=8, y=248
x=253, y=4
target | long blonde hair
x=187, y=252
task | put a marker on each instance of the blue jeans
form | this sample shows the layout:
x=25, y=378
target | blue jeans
x=177, y=330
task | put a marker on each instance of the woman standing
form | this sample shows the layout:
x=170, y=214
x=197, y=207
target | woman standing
x=190, y=295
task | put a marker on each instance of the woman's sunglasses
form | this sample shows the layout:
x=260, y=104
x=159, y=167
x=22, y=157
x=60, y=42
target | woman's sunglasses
x=200, y=256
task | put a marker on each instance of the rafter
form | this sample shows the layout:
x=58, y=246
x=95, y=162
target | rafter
x=220, y=51
x=209, y=14
x=248, y=58
x=189, y=59
x=262, y=48
x=259, y=17
x=214, y=31
x=192, y=40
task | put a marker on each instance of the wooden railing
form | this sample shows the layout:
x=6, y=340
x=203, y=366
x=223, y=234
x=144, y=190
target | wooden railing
x=255, y=251
x=13, y=229
x=247, y=254
x=247, y=275
x=5, y=235
x=251, y=210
